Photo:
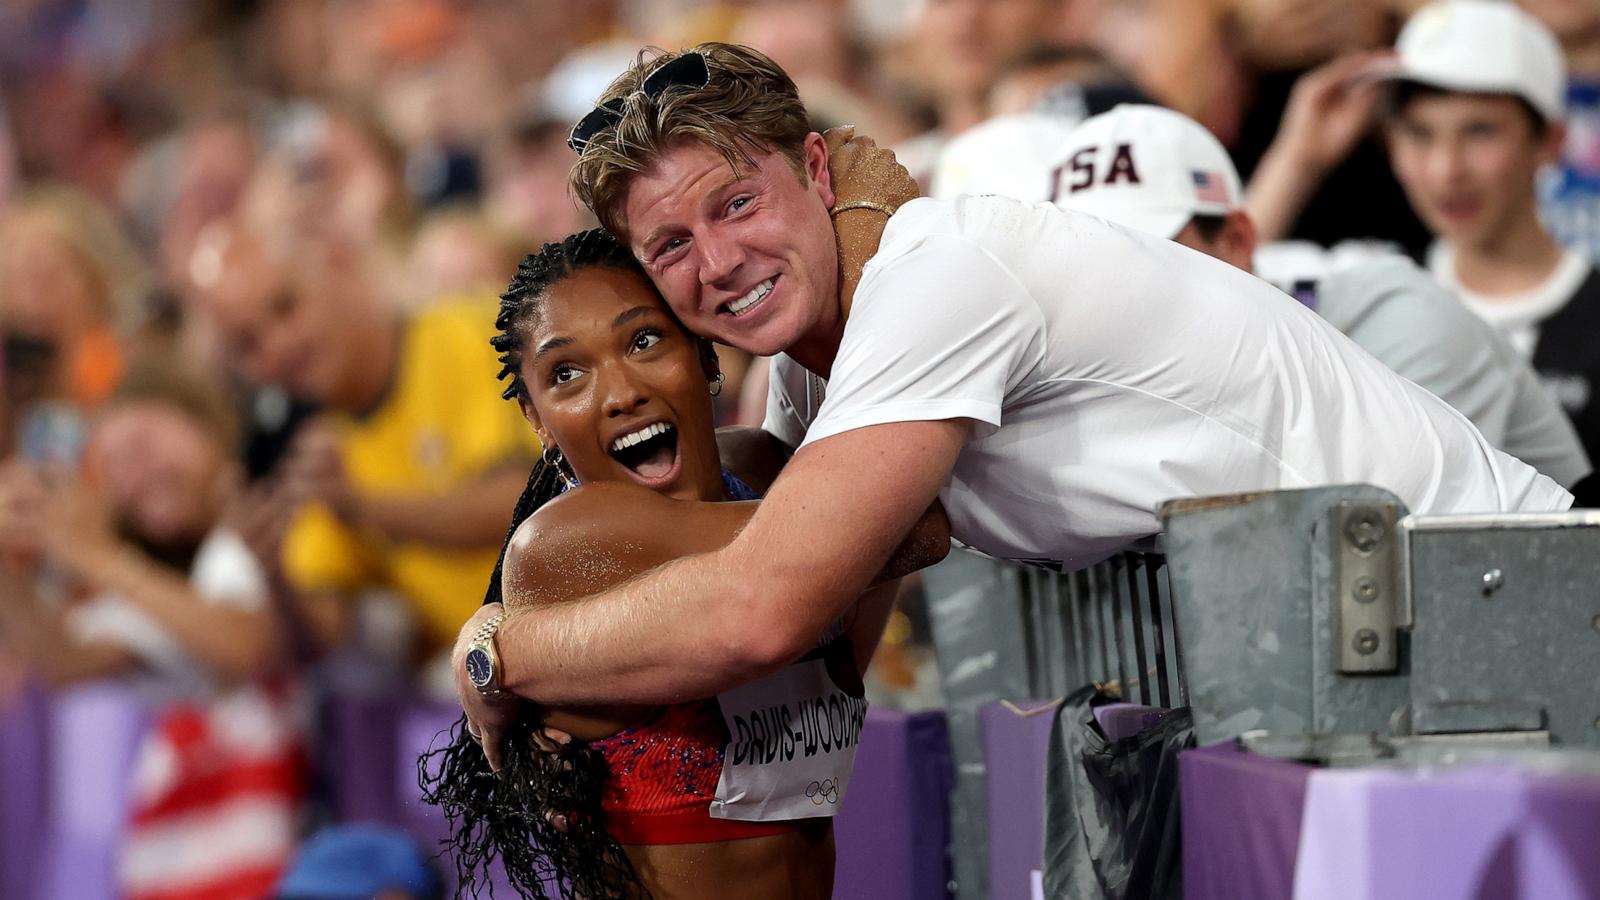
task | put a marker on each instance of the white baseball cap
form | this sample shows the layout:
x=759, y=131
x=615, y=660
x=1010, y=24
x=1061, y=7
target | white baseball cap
x=1147, y=168
x=1483, y=46
x=1008, y=155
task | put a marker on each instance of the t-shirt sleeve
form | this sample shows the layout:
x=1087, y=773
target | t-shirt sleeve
x=784, y=419
x=943, y=331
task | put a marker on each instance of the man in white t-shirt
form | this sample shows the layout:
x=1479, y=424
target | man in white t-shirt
x=1476, y=112
x=1049, y=377
x=1183, y=186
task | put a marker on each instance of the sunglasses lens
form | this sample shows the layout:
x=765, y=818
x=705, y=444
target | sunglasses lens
x=688, y=70
x=599, y=119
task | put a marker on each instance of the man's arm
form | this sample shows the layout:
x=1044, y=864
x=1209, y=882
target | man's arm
x=817, y=541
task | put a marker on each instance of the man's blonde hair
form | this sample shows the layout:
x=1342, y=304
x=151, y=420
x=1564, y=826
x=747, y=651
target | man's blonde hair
x=748, y=105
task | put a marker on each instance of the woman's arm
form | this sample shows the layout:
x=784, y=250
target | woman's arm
x=40, y=638
x=232, y=641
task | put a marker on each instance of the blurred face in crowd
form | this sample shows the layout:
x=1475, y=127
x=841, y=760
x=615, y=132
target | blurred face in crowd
x=745, y=257
x=160, y=471
x=46, y=289
x=1571, y=20
x=276, y=324
x=1467, y=162
x=606, y=365
x=964, y=41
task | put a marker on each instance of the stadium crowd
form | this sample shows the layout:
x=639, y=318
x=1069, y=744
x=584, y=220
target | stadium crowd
x=252, y=448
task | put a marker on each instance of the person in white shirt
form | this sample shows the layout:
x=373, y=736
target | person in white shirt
x=1473, y=104
x=1186, y=188
x=1476, y=113
x=1046, y=376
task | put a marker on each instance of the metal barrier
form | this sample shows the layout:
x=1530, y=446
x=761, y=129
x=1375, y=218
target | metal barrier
x=1310, y=615
x=1111, y=624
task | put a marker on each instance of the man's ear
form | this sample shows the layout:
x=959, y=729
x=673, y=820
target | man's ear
x=1552, y=143
x=815, y=157
x=1237, y=242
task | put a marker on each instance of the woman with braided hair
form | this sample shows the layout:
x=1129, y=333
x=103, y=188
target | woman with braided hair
x=727, y=796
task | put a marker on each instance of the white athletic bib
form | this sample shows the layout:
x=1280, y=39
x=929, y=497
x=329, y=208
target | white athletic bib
x=794, y=736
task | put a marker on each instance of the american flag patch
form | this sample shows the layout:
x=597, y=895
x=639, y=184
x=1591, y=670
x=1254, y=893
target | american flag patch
x=1209, y=187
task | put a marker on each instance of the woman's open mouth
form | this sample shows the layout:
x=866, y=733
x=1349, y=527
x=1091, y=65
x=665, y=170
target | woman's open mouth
x=650, y=453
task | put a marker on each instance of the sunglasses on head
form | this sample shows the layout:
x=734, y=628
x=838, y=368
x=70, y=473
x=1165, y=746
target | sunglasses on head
x=688, y=70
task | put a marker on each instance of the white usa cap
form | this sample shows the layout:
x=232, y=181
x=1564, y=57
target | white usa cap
x=1008, y=155
x=1483, y=46
x=1145, y=167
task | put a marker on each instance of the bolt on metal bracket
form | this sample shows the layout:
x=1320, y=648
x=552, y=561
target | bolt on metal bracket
x=1368, y=587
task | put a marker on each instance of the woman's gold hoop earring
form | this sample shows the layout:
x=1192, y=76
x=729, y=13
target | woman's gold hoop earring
x=552, y=457
x=716, y=385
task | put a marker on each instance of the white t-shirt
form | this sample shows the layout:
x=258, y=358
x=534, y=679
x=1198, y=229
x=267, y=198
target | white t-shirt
x=1517, y=316
x=1415, y=326
x=1107, y=371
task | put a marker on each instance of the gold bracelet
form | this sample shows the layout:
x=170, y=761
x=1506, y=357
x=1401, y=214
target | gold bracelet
x=875, y=205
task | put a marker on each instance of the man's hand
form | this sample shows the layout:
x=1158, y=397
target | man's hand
x=260, y=515
x=314, y=471
x=488, y=718
x=23, y=496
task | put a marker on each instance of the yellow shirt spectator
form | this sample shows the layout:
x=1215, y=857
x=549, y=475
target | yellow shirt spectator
x=442, y=424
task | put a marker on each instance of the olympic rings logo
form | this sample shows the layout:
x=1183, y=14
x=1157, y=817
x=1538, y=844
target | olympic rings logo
x=825, y=791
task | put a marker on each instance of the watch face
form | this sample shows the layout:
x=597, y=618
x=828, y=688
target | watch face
x=480, y=668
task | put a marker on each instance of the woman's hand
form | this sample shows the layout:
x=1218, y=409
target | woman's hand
x=861, y=170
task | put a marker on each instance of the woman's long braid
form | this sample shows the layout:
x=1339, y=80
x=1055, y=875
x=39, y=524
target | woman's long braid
x=510, y=814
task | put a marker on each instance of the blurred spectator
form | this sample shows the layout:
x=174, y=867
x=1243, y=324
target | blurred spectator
x=164, y=568
x=1176, y=181
x=526, y=188
x=458, y=252
x=1476, y=112
x=1570, y=194
x=1232, y=64
x=72, y=289
x=361, y=862
x=959, y=48
x=410, y=476
x=1071, y=82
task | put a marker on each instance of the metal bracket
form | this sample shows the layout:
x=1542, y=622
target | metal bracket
x=1368, y=586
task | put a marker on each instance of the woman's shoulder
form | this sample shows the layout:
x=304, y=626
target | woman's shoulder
x=585, y=512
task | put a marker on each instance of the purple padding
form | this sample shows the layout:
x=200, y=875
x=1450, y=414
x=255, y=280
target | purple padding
x=1016, y=741
x=24, y=774
x=1241, y=823
x=1124, y=720
x=359, y=753
x=1481, y=832
x=894, y=830
x=420, y=727
x=95, y=732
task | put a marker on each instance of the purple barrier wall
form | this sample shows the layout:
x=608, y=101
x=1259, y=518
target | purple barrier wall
x=1241, y=823
x=893, y=833
x=24, y=777
x=95, y=732
x=68, y=765
x=1456, y=834
x=1016, y=741
x=357, y=754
